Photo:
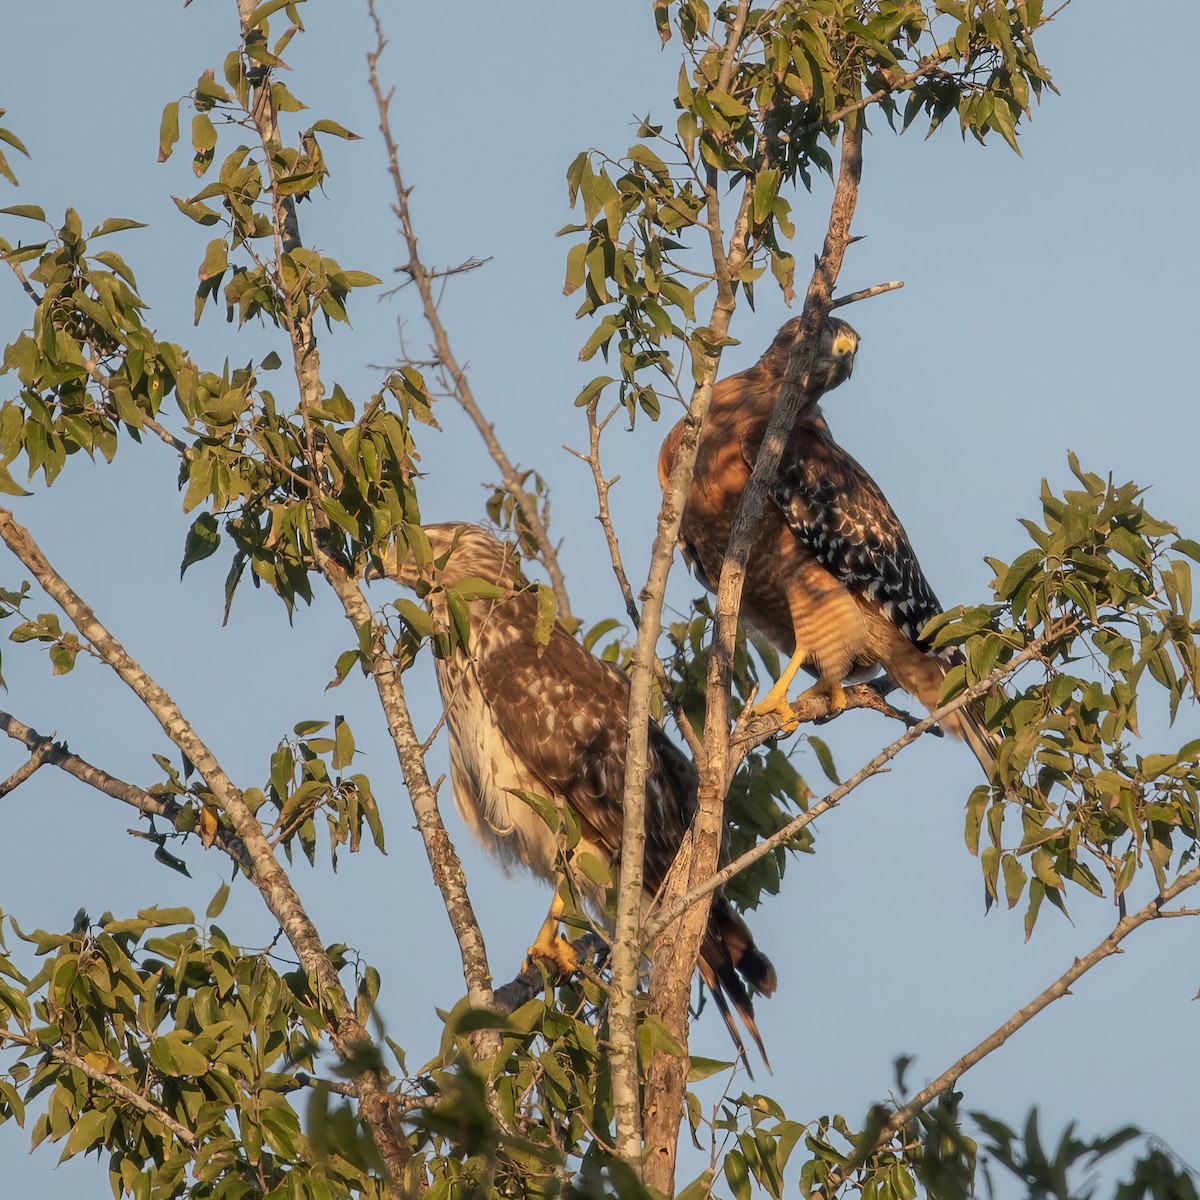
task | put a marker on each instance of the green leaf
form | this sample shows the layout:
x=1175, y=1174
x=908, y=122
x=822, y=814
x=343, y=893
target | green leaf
x=337, y=130
x=9, y=486
x=88, y=1129
x=30, y=211
x=590, y=866
x=343, y=748
x=417, y=618
x=167, y=916
x=547, y=615
x=115, y=225
x=544, y=808
x=217, y=904
x=702, y=1068
x=825, y=758
x=266, y=9
x=736, y=1175
x=204, y=134
x=174, y=1055
x=1014, y=879
x=202, y=541
x=168, y=130
x=1044, y=869
x=592, y=390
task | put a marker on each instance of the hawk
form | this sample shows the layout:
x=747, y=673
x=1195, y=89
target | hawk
x=552, y=719
x=832, y=579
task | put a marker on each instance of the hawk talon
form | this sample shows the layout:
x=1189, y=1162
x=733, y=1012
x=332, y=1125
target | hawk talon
x=557, y=953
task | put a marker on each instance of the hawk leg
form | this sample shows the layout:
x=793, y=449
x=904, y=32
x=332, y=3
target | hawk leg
x=550, y=946
x=776, y=701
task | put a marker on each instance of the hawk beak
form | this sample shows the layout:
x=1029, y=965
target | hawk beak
x=373, y=572
x=844, y=344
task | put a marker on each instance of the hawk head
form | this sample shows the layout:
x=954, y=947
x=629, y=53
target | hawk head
x=835, y=353
x=451, y=552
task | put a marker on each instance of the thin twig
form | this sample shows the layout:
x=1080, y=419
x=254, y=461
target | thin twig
x=510, y=477
x=56, y=754
x=303, y=1079
x=20, y=274
x=113, y=1085
x=604, y=515
x=866, y=293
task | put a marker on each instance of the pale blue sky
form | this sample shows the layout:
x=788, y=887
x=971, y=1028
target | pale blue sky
x=1049, y=305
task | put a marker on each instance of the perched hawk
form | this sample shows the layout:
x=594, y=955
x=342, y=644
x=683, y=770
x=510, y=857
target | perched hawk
x=552, y=720
x=832, y=579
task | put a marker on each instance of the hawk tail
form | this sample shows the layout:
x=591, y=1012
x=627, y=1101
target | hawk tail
x=735, y=969
x=921, y=675
x=969, y=724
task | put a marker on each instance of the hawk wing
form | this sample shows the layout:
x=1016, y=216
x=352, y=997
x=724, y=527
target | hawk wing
x=837, y=510
x=564, y=712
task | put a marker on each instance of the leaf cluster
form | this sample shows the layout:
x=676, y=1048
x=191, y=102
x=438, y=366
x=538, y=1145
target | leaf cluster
x=209, y=1036
x=1106, y=591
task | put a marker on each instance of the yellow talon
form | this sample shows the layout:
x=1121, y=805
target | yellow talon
x=774, y=702
x=550, y=946
x=556, y=951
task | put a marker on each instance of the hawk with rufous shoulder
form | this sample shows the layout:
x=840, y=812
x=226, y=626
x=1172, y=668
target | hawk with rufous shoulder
x=832, y=579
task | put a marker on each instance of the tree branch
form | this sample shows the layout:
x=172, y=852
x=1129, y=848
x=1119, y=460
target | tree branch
x=675, y=954
x=423, y=278
x=655, y=927
x=38, y=754
x=866, y=293
x=443, y=859
x=56, y=754
x=347, y=1033
x=113, y=1085
x=1060, y=987
x=24, y=280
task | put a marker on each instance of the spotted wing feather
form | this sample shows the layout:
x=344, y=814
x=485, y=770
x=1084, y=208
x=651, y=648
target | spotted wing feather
x=832, y=504
x=564, y=712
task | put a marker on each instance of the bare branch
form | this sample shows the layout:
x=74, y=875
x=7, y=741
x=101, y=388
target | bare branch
x=1060, y=987
x=115, y=1086
x=866, y=293
x=56, y=754
x=510, y=477
x=303, y=1079
x=39, y=753
x=592, y=458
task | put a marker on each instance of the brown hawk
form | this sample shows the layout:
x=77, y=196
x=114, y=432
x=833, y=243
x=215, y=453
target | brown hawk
x=832, y=580
x=551, y=719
